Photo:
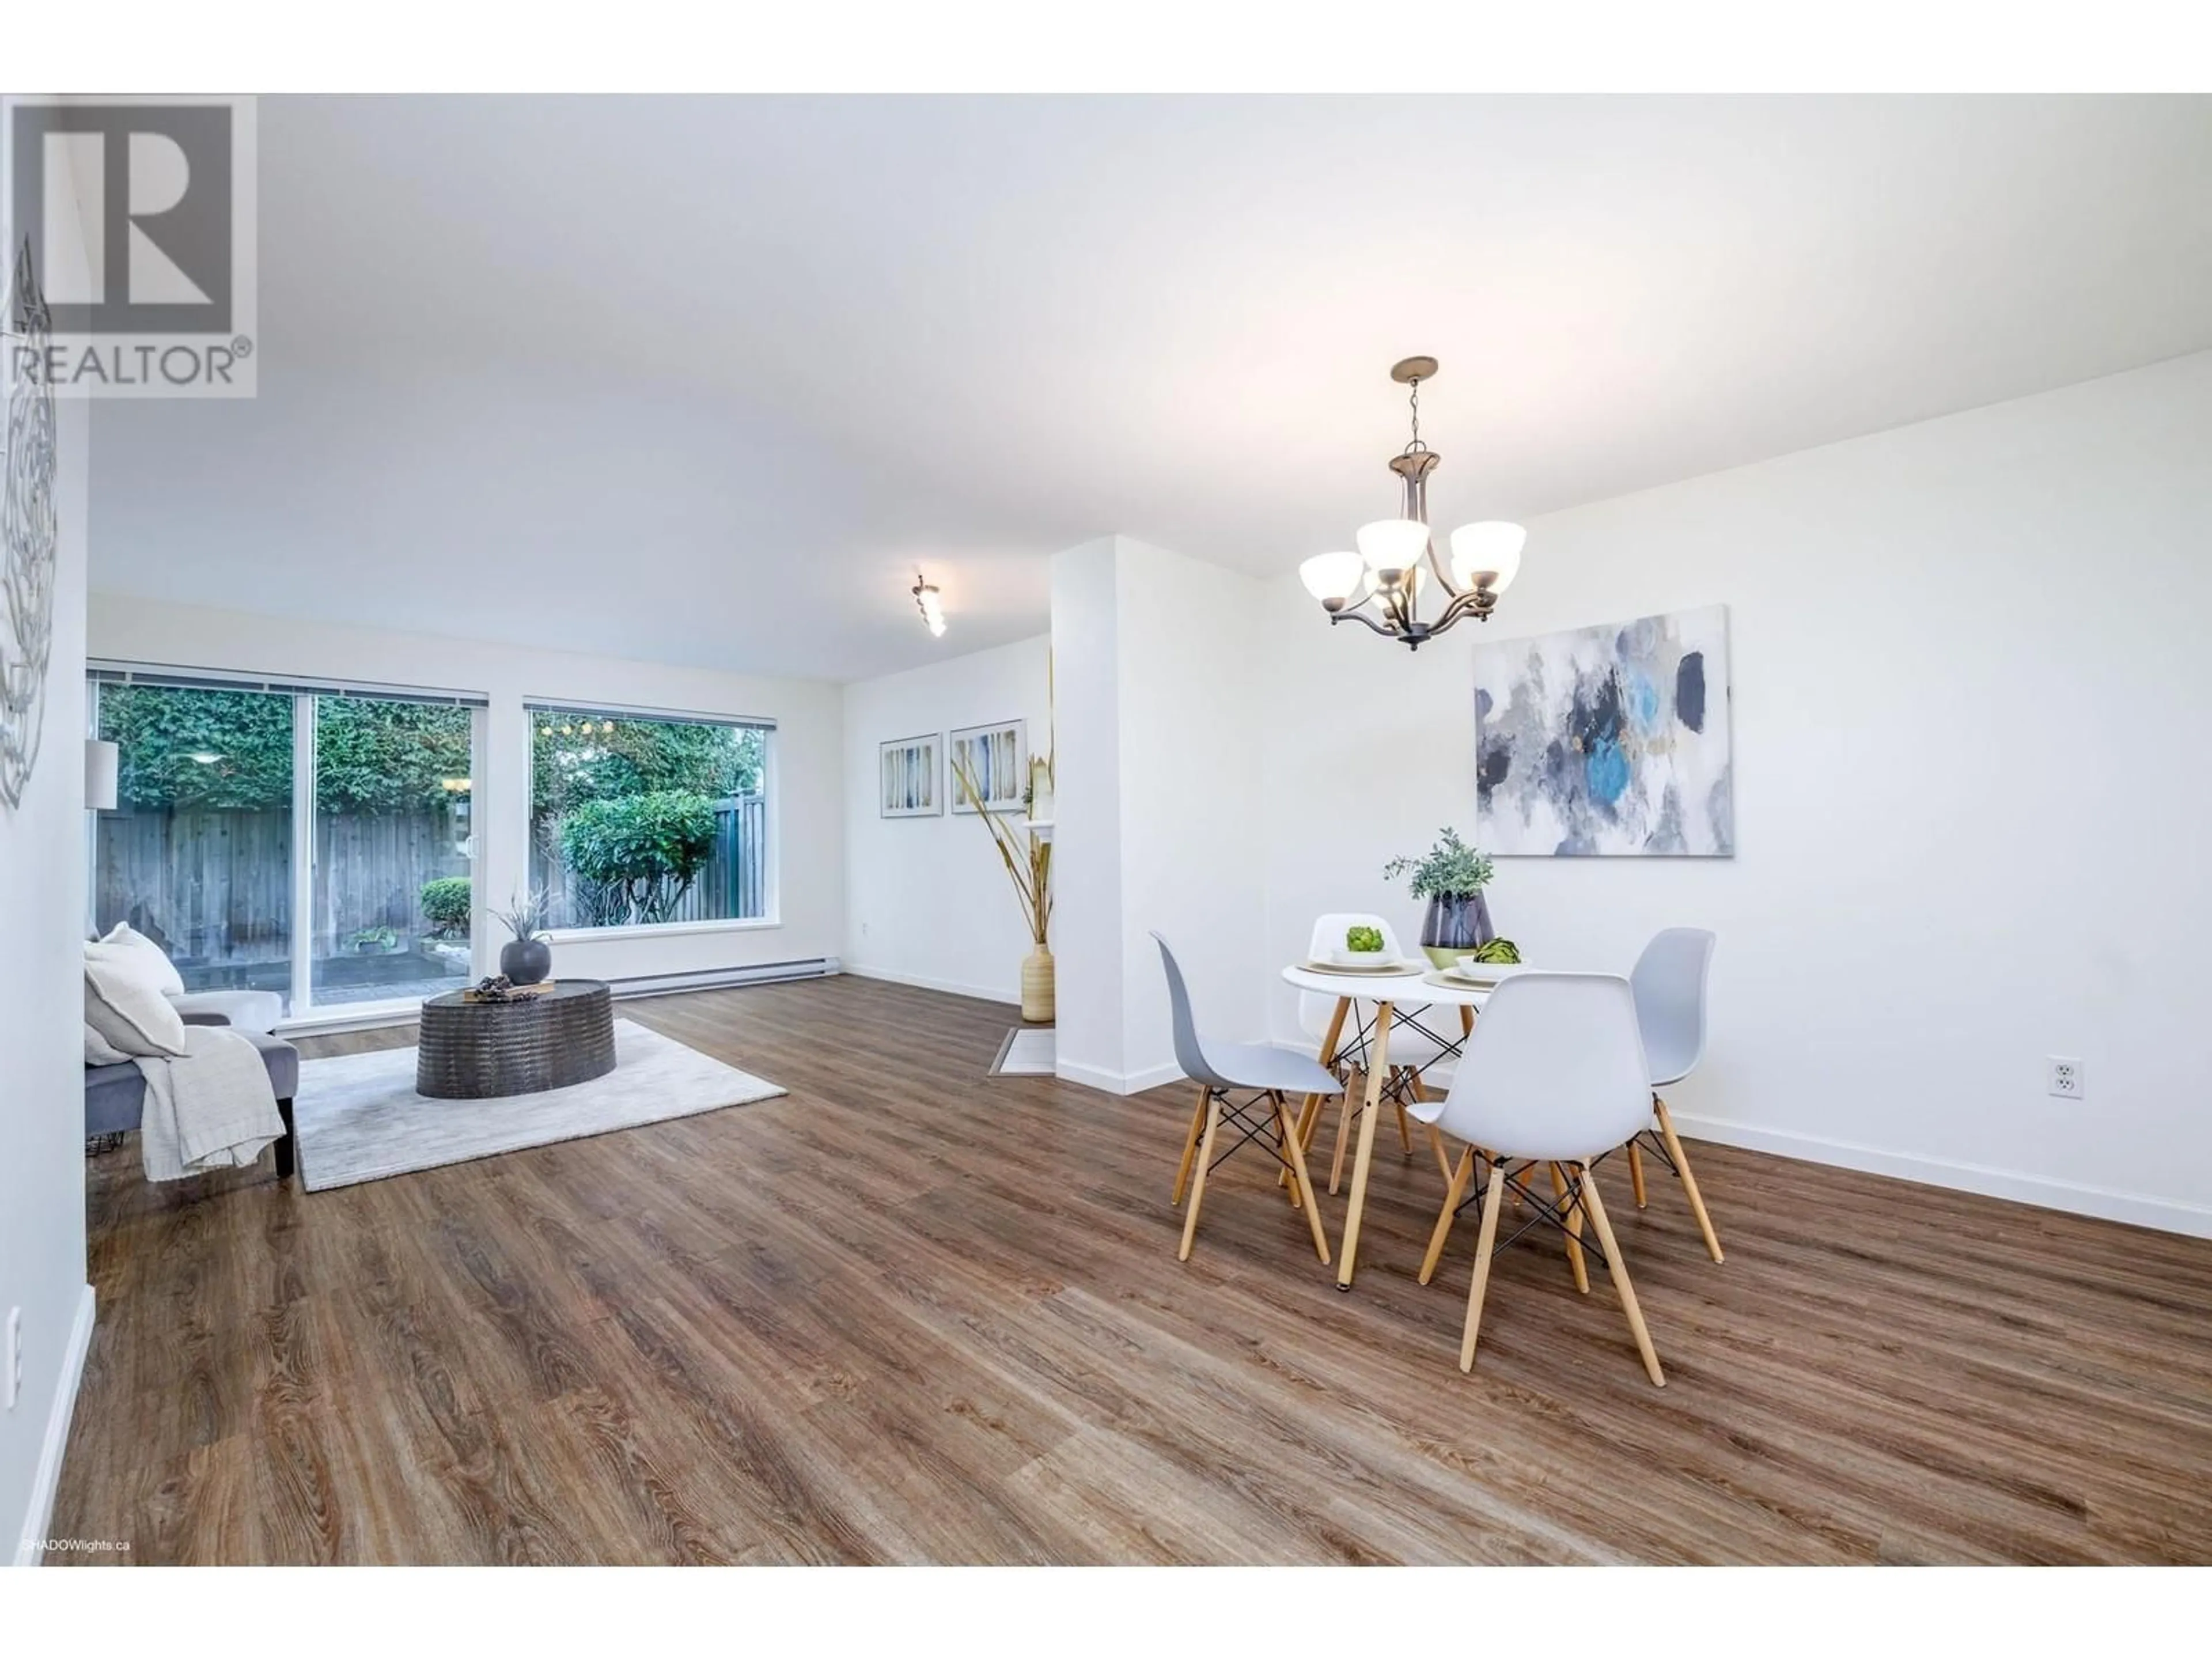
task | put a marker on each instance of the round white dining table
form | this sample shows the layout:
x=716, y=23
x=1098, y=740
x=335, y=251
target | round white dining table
x=1415, y=988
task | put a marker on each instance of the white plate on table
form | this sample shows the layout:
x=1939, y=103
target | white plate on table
x=1365, y=969
x=1483, y=974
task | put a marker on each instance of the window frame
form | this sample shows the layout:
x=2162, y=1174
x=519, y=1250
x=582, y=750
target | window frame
x=771, y=917
x=301, y=1010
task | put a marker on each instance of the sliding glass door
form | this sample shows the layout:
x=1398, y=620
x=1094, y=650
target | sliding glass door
x=199, y=853
x=316, y=844
x=391, y=901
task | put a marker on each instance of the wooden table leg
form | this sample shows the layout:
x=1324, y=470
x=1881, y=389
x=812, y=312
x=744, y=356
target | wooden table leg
x=1378, y=1067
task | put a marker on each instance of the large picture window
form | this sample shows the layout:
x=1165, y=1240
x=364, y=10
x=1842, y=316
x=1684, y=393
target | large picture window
x=639, y=821
x=312, y=842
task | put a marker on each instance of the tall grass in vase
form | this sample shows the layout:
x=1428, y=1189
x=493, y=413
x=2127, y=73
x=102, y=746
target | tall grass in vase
x=1028, y=858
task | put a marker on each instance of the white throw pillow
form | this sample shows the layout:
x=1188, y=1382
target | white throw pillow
x=123, y=944
x=122, y=1005
x=98, y=1051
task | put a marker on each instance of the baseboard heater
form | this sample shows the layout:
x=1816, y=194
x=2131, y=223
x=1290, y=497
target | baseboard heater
x=718, y=979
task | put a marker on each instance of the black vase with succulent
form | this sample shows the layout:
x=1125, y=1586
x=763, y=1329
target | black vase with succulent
x=1451, y=878
x=527, y=959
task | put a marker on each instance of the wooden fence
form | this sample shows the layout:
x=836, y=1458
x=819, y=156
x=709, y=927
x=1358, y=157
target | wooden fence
x=215, y=887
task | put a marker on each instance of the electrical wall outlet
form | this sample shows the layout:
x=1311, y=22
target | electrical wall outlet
x=2066, y=1082
x=11, y=1379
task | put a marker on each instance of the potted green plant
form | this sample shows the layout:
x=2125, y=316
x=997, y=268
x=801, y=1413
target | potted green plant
x=1451, y=878
x=527, y=959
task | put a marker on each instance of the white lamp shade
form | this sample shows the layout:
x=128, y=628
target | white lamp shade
x=1393, y=543
x=1487, y=555
x=1333, y=576
x=101, y=761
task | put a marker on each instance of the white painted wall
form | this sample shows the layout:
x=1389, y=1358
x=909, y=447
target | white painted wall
x=1086, y=849
x=1193, y=805
x=927, y=900
x=42, y=1259
x=805, y=793
x=1970, y=700
x=1159, y=813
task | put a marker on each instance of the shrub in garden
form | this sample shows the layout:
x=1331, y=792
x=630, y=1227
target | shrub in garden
x=637, y=856
x=447, y=905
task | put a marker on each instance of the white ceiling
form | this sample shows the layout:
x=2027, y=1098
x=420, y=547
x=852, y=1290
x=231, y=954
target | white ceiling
x=700, y=380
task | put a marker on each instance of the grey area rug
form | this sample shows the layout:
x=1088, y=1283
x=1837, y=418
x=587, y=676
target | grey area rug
x=359, y=1118
x=1027, y=1052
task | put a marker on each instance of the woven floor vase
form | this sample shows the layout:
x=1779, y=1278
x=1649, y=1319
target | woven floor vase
x=1037, y=987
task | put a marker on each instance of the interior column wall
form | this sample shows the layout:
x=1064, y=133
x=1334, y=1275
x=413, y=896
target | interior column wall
x=1159, y=778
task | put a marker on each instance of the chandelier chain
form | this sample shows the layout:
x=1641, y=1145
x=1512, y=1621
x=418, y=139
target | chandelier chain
x=1417, y=447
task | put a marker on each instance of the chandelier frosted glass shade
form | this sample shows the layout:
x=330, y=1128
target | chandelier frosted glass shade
x=1334, y=578
x=1487, y=555
x=1399, y=571
x=1391, y=544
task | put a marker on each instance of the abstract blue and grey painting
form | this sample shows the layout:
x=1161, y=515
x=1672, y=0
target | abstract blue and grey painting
x=1606, y=740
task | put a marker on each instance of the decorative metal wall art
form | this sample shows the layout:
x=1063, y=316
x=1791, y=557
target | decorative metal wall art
x=29, y=535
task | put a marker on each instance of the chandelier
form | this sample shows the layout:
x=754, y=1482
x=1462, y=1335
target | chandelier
x=1382, y=584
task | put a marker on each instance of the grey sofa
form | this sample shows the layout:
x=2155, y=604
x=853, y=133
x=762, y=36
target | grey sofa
x=115, y=1096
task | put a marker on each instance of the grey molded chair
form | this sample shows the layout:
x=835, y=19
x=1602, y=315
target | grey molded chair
x=1554, y=1074
x=1219, y=1067
x=1669, y=983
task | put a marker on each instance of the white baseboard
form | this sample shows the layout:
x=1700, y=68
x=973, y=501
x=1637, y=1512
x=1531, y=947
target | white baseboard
x=40, y=1516
x=1115, y=1083
x=951, y=987
x=2077, y=1198
x=721, y=979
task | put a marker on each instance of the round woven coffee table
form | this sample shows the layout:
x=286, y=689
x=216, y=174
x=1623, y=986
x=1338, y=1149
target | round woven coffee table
x=476, y=1050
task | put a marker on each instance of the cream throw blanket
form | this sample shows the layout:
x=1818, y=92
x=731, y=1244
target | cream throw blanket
x=211, y=1108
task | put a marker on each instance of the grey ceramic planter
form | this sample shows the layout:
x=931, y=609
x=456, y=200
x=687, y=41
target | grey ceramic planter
x=525, y=960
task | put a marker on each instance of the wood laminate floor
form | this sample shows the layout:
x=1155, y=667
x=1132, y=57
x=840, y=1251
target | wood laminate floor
x=909, y=1314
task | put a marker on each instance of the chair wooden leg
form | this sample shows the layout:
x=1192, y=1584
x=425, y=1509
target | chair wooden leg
x=1309, y=1116
x=1635, y=1172
x=1198, y=1178
x=1574, y=1220
x=1287, y=1126
x=1436, y=1146
x=1297, y=1155
x=1485, y=1241
x=1398, y=1100
x=1190, y=1143
x=1689, y=1182
x=1455, y=1189
x=1309, y=1109
x=1619, y=1269
x=1355, y=1086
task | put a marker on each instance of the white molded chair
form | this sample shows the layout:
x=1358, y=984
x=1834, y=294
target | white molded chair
x=1554, y=1074
x=1410, y=1046
x=1218, y=1067
x=1669, y=983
